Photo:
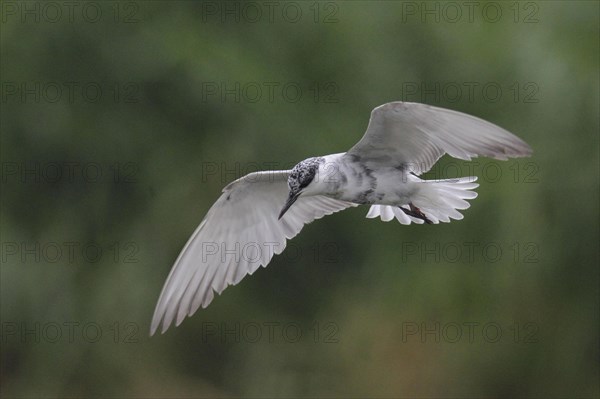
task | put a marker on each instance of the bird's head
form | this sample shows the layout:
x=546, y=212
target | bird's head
x=301, y=177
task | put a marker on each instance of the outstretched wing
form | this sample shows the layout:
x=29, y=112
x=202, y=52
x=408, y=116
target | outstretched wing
x=414, y=136
x=240, y=233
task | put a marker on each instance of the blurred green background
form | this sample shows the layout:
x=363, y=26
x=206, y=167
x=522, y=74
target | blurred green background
x=122, y=121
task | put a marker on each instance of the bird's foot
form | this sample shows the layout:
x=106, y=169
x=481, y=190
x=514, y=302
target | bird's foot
x=416, y=212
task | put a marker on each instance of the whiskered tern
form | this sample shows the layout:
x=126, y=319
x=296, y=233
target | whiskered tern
x=260, y=211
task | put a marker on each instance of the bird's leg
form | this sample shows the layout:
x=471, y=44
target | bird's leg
x=416, y=212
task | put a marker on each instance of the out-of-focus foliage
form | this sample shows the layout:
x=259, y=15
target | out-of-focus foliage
x=162, y=126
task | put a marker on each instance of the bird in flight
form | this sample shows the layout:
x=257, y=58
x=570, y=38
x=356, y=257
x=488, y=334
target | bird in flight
x=256, y=214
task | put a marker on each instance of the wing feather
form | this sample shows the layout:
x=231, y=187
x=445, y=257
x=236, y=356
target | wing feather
x=239, y=234
x=414, y=136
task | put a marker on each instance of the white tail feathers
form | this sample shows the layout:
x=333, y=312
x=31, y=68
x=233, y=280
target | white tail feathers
x=437, y=199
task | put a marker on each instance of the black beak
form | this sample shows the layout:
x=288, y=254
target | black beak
x=290, y=201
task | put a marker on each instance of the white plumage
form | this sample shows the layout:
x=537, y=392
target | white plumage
x=244, y=229
x=245, y=216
